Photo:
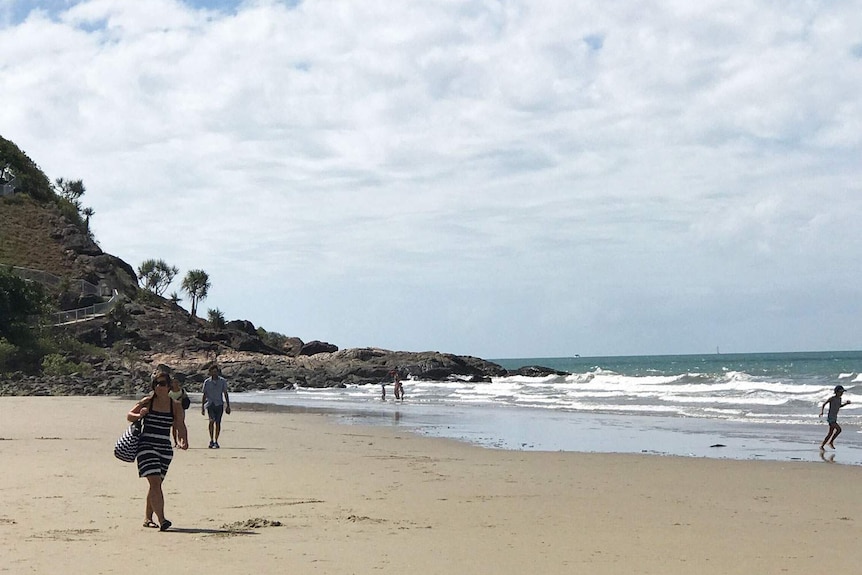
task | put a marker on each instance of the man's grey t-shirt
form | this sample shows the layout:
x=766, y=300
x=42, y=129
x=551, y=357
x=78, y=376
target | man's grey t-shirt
x=214, y=390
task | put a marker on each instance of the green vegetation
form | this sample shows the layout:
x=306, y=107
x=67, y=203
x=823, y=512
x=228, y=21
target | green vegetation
x=157, y=275
x=27, y=218
x=24, y=226
x=8, y=354
x=29, y=227
x=271, y=338
x=70, y=347
x=216, y=318
x=25, y=344
x=56, y=364
x=32, y=182
x=69, y=194
x=197, y=285
x=70, y=190
x=22, y=303
x=29, y=179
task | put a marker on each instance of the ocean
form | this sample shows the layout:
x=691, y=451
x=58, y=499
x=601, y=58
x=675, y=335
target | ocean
x=736, y=406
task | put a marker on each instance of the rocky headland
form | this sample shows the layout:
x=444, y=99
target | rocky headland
x=144, y=331
x=125, y=346
x=117, y=351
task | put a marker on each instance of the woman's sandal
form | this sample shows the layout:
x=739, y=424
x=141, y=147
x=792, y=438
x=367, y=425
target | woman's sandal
x=166, y=524
x=150, y=524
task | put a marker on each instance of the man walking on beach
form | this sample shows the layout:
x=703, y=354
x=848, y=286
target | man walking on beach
x=214, y=402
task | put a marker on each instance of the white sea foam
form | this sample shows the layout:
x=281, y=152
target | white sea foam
x=765, y=399
x=724, y=392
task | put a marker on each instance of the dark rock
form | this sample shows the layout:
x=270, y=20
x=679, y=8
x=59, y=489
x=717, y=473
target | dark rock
x=143, y=344
x=212, y=335
x=315, y=347
x=242, y=325
x=536, y=371
x=292, y=346
x=246, y=343
x=88, y=300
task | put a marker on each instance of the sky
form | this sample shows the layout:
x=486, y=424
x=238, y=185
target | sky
x=497, y=178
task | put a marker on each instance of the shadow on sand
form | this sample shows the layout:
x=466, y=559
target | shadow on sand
x=194, y=531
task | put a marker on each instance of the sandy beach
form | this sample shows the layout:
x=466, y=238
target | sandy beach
x=298, y=493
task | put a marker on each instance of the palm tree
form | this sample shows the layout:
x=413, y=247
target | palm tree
x=197, y=285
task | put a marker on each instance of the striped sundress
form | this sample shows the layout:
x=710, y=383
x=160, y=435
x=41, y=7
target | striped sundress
x=154, y=449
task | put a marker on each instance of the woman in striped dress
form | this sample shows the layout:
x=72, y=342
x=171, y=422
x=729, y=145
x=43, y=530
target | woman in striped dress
x=159, y=413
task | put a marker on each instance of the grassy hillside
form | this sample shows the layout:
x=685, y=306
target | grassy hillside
x=25, y=237
x=31, y=217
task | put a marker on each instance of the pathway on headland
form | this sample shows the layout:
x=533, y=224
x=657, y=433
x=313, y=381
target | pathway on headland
x=72, y=316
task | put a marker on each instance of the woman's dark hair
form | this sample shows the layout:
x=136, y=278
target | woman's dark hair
x=158, y=375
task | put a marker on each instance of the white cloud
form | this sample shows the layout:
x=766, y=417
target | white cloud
x=513, y=178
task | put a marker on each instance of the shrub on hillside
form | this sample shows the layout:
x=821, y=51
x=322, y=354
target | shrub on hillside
x=56, y=364
x=8, y=354
x=271, y=338
x=216, y=318
x=29, y=179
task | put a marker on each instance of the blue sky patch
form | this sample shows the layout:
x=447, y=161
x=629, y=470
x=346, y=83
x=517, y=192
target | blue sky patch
x=227, y=6
x=595, y=41
x=219, y=5
x=17, y=11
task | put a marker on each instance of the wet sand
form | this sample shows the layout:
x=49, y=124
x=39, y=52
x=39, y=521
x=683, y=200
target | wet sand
x=299, y=493
x=531, y=429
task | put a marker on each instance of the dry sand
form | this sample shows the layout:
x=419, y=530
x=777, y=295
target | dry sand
x=291, y=493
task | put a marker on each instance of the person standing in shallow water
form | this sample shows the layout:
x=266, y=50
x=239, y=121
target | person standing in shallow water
x=834, y=404
x=158, y=414
x=215, y=402
x=396, y=384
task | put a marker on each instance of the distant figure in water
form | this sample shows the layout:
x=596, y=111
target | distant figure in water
x=396, y=382
x=834, y=404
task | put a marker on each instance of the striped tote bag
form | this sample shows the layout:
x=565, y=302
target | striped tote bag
x=126, y=448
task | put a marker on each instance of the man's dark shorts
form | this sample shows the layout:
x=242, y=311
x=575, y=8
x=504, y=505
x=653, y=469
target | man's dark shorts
x=215, y=412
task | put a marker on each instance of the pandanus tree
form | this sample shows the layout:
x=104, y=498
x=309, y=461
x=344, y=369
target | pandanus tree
x=157, y=275
x=197, y=285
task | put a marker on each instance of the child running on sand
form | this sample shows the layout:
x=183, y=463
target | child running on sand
x=834, y=404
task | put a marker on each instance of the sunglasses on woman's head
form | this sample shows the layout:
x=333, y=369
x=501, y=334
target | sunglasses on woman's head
x=161, y=382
